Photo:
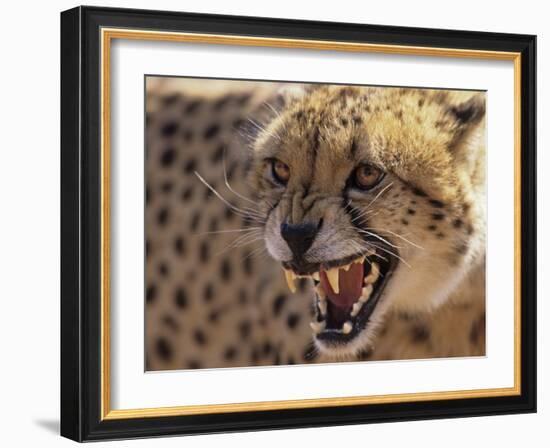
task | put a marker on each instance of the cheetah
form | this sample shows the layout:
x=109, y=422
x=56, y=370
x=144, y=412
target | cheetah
x=294, y=224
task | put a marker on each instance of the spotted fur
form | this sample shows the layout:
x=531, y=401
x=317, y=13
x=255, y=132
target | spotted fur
x=215, y=301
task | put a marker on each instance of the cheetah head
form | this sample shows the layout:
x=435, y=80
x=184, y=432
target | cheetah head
x=376, y=194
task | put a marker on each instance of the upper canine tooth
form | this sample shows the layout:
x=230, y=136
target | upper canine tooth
x=346, y=267
x=317, y=327
x=290, y=276
x=360, y=260
x=347, y=327
x=315, y=276
x=332, y=277
x=373, y=274
x=365, y=293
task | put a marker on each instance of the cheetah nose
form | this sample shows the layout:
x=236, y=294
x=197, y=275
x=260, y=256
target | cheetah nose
x=299, y=237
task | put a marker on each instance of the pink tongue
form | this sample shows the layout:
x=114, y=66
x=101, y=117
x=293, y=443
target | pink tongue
x=350, y=284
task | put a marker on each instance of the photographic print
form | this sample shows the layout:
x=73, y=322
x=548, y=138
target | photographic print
x=295, y=223
x=343, y=212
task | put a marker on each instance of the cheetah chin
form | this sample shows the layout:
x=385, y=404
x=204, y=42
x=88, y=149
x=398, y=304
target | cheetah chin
x=347, y=293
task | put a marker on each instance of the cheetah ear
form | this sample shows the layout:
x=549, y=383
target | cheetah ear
x=467, y=142
x=469, y=113
x=292, y=92
x=468, y=118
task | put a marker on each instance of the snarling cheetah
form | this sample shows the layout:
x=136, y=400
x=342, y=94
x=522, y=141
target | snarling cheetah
x=371, y=200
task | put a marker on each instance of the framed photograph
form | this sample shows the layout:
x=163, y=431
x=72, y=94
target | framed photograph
x=275, y=224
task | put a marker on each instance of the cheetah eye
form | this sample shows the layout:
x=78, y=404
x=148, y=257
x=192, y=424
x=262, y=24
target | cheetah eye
x=280, y=171
x=366, y=177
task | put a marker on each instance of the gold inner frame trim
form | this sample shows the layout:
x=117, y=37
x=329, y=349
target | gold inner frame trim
x=107, y=35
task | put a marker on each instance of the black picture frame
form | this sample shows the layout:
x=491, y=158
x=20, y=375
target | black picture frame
x=81, y=208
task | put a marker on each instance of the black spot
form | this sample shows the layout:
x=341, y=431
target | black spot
x=151, y=293
x=277, y=358
x=457, y=223
x=292, y=320
x=405, y=222
x=438, y=216
x=214, y=316
x=418, y=192
x=208, y=292
x=344, y=121
x=190, y=166
x=169, y=100
x=357, y=119
x=169, y=129
x=243, y=298
x=162, y=216
x=353, y=148
x=411, y=211
x=230, y=353
x=192, y=107
x=278, y=304
x=245, y=327
x=213, y=226
x=254, y=355
x=217, y=156
x=461, y=248
x=179, y=245
x=221, y=102
x=291, y=360
x=267, y=348
x=421, y=102
x=228, y=214
x=166, y=187
x=187, y=194
x=204, y=252
x=436, y=203
x=225, y=270
x=193, y=364
x=364, y=355
x=181, y=298
x=440, y=235
x=199, y=337
x=167, y=157
x=432, y=227
x=208, y=193
x=247, y=263
x=469, y=229
x=164, y=349
x=163, y=269
x=211, y=131
x=243, y=99
x=195, y=221
x=188, y=136
x=171, y=323
x=477, y=329
x=419, y=334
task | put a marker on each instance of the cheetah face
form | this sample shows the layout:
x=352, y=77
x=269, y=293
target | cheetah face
x=363, y=192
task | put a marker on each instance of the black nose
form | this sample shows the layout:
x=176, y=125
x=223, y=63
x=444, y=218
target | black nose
x=299, y=237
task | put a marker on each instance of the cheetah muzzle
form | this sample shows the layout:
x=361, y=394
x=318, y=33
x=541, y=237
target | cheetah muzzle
x=347, y=292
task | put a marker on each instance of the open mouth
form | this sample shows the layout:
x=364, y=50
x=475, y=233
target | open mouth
x=347, y=292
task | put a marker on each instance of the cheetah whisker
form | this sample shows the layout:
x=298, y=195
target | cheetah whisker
x=247, y=229
x=249, y=215
x=262, y=129
x=255, y=203
x=393, y=254
x=396, y=235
